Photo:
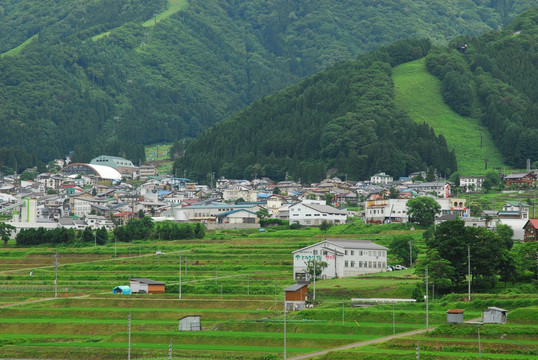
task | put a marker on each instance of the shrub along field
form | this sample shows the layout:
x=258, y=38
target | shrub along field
x=235, y=281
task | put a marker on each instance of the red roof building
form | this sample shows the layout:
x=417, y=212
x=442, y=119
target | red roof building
x=531, y=230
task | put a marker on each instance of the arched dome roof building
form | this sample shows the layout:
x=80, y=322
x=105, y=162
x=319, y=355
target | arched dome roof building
x=101, y=171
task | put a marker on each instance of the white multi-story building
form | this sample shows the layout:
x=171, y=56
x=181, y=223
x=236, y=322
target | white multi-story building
x=385, y=211
x=472, y=183
x=314, y=212
x=440, y=188
x=343, y=257
x=381, y=178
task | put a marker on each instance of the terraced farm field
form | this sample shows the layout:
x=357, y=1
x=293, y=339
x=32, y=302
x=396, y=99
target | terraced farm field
x=235, y=285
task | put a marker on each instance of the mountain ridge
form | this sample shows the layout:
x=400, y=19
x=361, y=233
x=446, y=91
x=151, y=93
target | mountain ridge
x=142, y=85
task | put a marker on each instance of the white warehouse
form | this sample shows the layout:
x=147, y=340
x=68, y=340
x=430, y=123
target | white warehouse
x=343, y=257
x=314, y=212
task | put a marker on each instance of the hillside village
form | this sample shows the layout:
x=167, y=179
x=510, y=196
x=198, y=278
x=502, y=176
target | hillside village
x=103, y=194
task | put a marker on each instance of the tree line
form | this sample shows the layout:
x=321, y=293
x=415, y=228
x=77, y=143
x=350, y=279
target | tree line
x=135, y=229
x=62, y=236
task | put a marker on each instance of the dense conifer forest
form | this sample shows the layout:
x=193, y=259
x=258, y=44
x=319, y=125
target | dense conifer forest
x=91, y=78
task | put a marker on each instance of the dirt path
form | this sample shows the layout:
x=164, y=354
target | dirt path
x=368, y=342
x=361, y=343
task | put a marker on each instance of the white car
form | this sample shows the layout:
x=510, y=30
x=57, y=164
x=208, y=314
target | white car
x=159, y=252
x=399, y=267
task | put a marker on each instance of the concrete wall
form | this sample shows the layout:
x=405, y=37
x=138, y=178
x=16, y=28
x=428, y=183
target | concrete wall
x=231, y=226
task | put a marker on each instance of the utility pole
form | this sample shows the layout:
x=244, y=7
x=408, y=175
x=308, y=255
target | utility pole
x=427, y=324
x=180, y=275
x=275, y=301
x=284, y=326
x=410, y=253
x=393, y=321
x=343, y=312
x=115, y=249
x=170, y=350
x=248, y=284
x=216, y=274
x=56, y=275
x=129, y=350
x=479, y=347
x=469, y=273
x=314, y=297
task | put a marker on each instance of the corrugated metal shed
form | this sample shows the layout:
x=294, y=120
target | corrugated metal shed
x=190, y=323
x=494, y=315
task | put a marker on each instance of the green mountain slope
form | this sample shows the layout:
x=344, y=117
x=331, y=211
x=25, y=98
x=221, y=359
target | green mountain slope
x=418, y=93
x=347, y=120
x=343, y=119
x=139, y=84
x=495, y=78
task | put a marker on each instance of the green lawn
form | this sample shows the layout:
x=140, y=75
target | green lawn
x=419, y=94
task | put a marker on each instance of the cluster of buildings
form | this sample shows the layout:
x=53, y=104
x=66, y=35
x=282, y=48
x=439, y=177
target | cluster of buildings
x=99, y=194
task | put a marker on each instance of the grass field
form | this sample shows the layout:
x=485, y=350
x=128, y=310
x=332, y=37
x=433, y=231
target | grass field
x=235, y=282
x=172, y=7
x=419, y=94
x=19, y=48
x=159, y=154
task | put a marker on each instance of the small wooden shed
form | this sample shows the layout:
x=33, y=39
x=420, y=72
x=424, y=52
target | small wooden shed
x=296, y=296
x=454, y=316
x=146, y=286
x=494, y=315
x=190, y=323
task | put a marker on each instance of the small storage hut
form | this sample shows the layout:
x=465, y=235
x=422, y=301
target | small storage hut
x=454, y=316
x=494, y=315
x=190, y=323
x=122, y=289
x=296, y=296
x=146, y=286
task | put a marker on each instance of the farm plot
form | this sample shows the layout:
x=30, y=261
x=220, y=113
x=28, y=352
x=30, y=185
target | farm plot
x=236, y=286
x=518, y=339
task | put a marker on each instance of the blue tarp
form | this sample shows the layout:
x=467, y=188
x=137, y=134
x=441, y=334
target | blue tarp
x=121, y=290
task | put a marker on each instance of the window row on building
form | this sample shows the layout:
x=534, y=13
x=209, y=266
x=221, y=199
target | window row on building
x=365, y=264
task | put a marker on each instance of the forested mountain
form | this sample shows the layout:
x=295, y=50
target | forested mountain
x=140, y=84
x=343, y=118
x=495, y=79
